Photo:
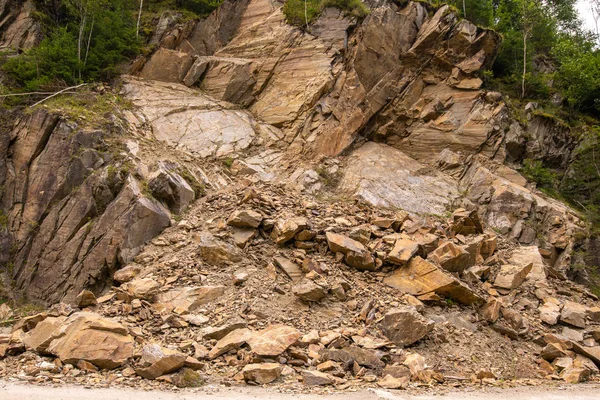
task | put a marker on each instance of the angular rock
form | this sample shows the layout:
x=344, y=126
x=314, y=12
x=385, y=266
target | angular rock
x=245, y=219
x=262, y=373
x=284, y=230
x=316, y=378
x=274, y=340
x=89, y=337
x=511, y=276
x=220, y=332
x=405, y=326
x=574, y=314
x=420, y=277
x=85, y=299
x=167, y=66
x=342, y=244
x=190, y=298
x=127, y=273
x=38, y=339
x=402, y=252
x=451, y=257
x=232, y=341
x=465, y=222
x=215, y=251
x=157, y=361
x=550, y=311
x=366, y=358
x=144, y=289
x=308, y=290
x=389, y=382
x=169, y=187
x=291, y=269
x=241, y=237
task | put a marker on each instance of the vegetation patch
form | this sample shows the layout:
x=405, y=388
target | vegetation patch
x=303, y=12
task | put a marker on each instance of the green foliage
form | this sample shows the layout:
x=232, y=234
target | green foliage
x=534, y=170
x=200, y=7
x=480, y=12
x=303, y=13
x=86, y=40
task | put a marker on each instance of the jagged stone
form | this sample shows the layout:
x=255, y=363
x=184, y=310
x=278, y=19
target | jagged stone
x=262, y=373
x=356, y=255
x=291, y=269
x=317, y=378
x=405, y=326
x=167, y=66
x=284, y=230
x=127, y=273
x=215, y=251
x=245, y=219
x=241, y=237
x=465, y=222
x=234, y=340
x=85, y=299
x=168, y=186
x=39, y=338
x=157, y=361
x=402, y=252
x=89, y=337
x=189, y=298
x=574, y=314
x=144, y=289
x=274, y=340
x=491, y=310
x=308, y=290
x=220, y=332
x=451, y=257
x=421, y=277
x=511, y=276
x=389, y=382
x=364, y=357
x=550, y=311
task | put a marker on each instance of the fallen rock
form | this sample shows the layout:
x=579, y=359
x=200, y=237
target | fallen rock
x=511, y=276
x=466, y=222
x=451, y=257
x=169, y=187
x=274, y=340
x=262, y=373
x=89, y=337
x=245, y=219
x=232, y=341
x=405, y=326
x=85, y=299
x=389, y=382
x=241, y=237
x=157, y=361
x=215, y=251
x=284, y=230
x=574, y=314
x=127, y=273
x=364, y=357
x=402, y=252
x=291, y=269
x=420, y=277
x=550, y=311
x=316, y=378
x=307, y=290
x=491, y=310
x=143, y=289
x=189, y=298
x=38, y=339
x=356, y=254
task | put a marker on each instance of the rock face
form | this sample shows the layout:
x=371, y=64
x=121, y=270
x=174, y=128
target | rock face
x=19, y=29
x=61, y=196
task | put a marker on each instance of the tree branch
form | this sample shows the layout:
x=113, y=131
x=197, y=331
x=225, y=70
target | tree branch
x=57, y=93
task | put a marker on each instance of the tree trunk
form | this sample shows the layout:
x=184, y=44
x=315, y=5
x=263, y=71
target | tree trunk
x=87, y=49
x=137, y=30
x=464, y=9
x=524, y=65
x=80, y=39
x=305, y=14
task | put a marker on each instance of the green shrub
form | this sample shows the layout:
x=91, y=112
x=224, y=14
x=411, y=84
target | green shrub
x=304, y=12
x=534, y=170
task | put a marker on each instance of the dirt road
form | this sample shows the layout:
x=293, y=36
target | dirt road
x=12, y=391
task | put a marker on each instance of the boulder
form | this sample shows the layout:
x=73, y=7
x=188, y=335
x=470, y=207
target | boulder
x=574, y=314
x=291, y=269
x=308, y=290
x=157, y=361
x=274, y=340
x=215, y=251
x=405, y=326
x=451, y=257
x=232, y=341
x=245, y=219
x=241, y=237
x=491, y=310
x=169, y=187
x=511, y=276
x=389, y=382
x=466, y=222
x=316, y=378
x=356, y=254
x=167, y=66
x=402, y=252
x=364, y=357
x=220, y=332
x=262, y=373
x=189, y=298
x=85, y=299
x=39, y=338
x=550, y=311
x=420, y=277
x=89, y=337
x=284, y=230
x=127, y=273
x=144, y=289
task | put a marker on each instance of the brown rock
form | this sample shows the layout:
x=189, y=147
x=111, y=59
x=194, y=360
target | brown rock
x=389, y=382
x=285, y=230
x=291, y=269
x=241, y=237
x=550, y=311
x=308, y=290
x=274, y=340
x=245, y=219
x=403, y=251
x=574, y=314
x=190, y=298
x=144, y=289
x=405, y=326
x=89, y=337
x=127, y=273
x=451, y=257
x=420, y=277
x=85, y=299
x=491, y=310
x=356, y=255
x=553, y=351
x=86, y=366
x=215, y=251
x=364, y=357
x=157, y=361
x=316, y=378
x=262, y=373
x=38, y=339
x=167, y=66
x=466, y=222
x=511, y=276
x=232, y=341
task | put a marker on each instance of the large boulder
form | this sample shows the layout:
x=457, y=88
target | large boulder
x=274, y=340
x=512, y=276
x=92, y=338
x=356, y=254
x=157, y=361
x=451, y=257
x=405, y=326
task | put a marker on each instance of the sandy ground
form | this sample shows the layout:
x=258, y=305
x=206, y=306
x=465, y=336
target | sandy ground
x=29, y=392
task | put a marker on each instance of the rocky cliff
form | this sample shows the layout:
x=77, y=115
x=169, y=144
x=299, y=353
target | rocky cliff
x=349, y=174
